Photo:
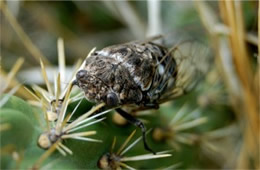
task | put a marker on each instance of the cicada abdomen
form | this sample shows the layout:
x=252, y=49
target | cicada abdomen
x=192, y=61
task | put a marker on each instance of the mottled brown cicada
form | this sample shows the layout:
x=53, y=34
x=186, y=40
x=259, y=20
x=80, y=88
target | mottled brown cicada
x=144, y=74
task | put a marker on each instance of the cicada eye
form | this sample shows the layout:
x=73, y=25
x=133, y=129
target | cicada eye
x=112, y=99
x=81, y=74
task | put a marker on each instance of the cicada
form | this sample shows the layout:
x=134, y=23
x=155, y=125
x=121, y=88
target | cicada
x=143, y=74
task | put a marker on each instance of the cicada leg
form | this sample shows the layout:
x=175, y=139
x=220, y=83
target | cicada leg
x=137, y=123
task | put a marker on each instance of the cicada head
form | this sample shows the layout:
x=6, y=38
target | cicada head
x=95, y=89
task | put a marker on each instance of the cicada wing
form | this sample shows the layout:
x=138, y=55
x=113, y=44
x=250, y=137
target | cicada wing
x=192, y=62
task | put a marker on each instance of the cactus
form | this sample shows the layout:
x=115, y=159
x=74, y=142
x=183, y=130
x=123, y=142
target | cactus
x=51, y=125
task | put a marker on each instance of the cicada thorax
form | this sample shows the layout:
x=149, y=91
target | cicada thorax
x=119, y=70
